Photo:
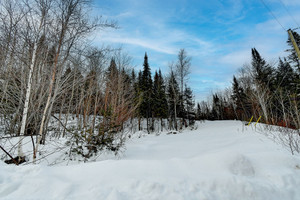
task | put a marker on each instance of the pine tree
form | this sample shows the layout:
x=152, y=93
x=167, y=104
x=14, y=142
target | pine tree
x=111, y=74
x=262, y=71
x=156, y=88
x=216, y=108
x=133, y=78
x=286, y=82
x=162, y=96
x=139, y=83
x=138, y=96
x=285, y=76
x=125, y=79
x=239, y=99
x=198, y=112
x=160, y=105
x=159, y=97
x=147, y=92
x=189, y=105
x=264, y=84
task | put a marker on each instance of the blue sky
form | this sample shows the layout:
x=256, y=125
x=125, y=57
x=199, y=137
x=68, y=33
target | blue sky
x=217, y=34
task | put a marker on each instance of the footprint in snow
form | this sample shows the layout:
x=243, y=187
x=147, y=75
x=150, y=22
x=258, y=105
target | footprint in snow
x=242, y=166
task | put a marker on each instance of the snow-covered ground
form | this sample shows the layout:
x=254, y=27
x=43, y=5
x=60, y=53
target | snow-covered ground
x=220, y=160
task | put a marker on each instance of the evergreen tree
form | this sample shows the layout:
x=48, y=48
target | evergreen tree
x=217, y=108
x=139, y=83
x=125, y=79
x=189, y=105
x=111, y=78
x=133, y=78
x=160, y=107
x=239, y=98
x=285, y=76
x=147, y=92
x=138, y=96
x=138, y=91
x=133, y=85
x=262, y=71
x=111, y=73
x=286, y=82
x=160, y=104
x=264, y=85
x=198, y=112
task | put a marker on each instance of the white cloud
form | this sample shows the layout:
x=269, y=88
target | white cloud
x=236, y=59
x=224, y=15
x=163, y=39
x=224, y=44
x=141, y=42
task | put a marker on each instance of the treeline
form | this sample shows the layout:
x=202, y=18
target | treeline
x=165, y=98
x=260, y=89
x=49, y=72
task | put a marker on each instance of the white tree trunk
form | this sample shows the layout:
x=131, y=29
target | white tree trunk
x=26, y=105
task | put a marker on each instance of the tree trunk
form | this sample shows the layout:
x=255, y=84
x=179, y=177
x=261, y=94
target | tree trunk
x=26, y=104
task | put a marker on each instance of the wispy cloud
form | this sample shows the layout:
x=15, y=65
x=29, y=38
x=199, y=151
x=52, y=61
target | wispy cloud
x=141, y=42
x=230, y=11
x=218, y=34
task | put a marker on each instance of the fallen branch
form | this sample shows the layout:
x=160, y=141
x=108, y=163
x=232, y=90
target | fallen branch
x=61, y=124
x=17, y=163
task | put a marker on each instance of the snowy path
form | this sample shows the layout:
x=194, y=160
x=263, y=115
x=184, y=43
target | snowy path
x=217, y=161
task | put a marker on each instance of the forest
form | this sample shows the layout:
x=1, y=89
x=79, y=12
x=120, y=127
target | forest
x=269, y=91
x=51, y=73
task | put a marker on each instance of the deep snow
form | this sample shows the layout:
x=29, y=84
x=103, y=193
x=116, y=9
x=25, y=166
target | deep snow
x=220, y=160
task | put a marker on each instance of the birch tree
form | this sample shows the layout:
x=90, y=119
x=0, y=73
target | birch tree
x=44, y=8
x=182, y=71
x=72, y=25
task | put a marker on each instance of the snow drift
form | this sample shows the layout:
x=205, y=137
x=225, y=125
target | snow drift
x=219, y=160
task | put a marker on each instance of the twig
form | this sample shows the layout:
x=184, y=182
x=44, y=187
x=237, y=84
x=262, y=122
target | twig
x=61, y=123
x=9, y=155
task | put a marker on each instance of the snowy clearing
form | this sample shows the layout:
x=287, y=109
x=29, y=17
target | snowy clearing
x=219, y=160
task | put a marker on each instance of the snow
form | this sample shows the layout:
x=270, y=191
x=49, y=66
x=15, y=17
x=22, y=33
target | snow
x=220, y=160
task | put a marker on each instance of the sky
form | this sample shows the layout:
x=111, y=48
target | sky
x=217, y=34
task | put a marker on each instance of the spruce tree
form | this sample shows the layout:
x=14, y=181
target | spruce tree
x=133, y=78
x=199, y=112
x=189, y=105
x=111, y=78
x=139, y=83
x=160, y=105
x=111, y=72
x=156, y=95
x=261, y=70
x=286, y=82
x=285, y=76
x=162, y=96
x=138, y=96
x=239, y=98
x=147, y=92
x=216, y=107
